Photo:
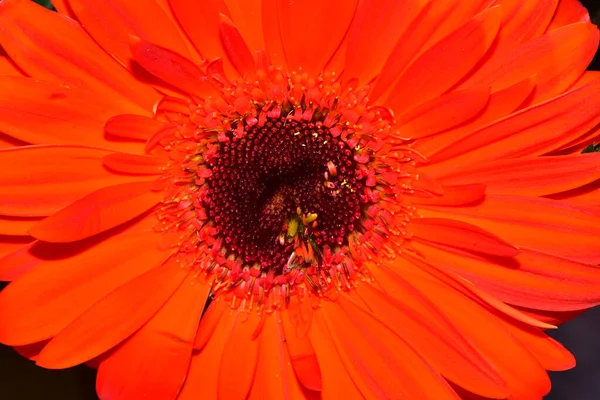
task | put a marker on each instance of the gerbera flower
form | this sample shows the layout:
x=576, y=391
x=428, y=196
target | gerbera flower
x=371, y=199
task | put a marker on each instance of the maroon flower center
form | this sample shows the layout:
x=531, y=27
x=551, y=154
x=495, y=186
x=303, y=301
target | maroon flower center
x=279, y=183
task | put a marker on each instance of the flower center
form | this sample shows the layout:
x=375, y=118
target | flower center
x=280, y=181
x=282, y=184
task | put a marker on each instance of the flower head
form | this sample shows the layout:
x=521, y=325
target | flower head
x=271, y=199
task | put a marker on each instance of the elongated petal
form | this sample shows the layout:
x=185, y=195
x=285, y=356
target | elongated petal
x=549, y=226
x=203, y=375
x=27, y=114
x=443, y=113
x=551, y=354
x=499, y=105
x=411, y=44
x=444, y=64
x=35, y=38
x=302, y=24
x=200, y=21
x=526, y=378
x=54, y=292
x=458, y=195
x=135, y=127
x=240, y=355
x=274, y=362
x=10, y=245
x=171, y=67
x=337, y=382
x=568, y=12
x=16, y=226
x=247, y=17
x=97, y=212
x=533, y=131
x=302, y=357
x=417, y=321
x=137, y=368
x=208, y=324
x=533, y=279
x=40, y=180
x=235, y=47
x=112, y=319
x=524, y=21
x=394, y=367
x=575, y=44
x=111, y=22
x=461, y=236
x=382, y=22
x=537, y=176
x=133, y=164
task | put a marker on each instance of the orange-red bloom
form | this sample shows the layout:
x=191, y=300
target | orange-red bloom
x=373, y=199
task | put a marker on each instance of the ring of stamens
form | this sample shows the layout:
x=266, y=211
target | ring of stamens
x=284, y=184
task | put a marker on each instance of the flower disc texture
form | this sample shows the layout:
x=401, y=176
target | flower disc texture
x=310, y=199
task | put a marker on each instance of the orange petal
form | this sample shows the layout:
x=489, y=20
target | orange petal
x=302, y=357
x=136, y=369
x=47, y=113
x=63, y=7
x=587, y=196
x=551, y=354
x=411, y=44
x=236, y=49
x=16, y=226
x=500, y=104
x=271, y=32
x=7, y=66
x=247, y=17
x=111, y=22
x=134, y=127
x=549, y=226
x=114, y=318
x=524, y=21
x=526, y=379
x=442, y=113
x=445, y=63
x=34, y=37
x=97, y=212
x=394, y=368
x=303, y=24
x=534, y=176
x=56, y=290
x=200, y=21
x=414, y=319
x=525, y=281
x=461, y=236
x=374, y=32
x=535, y=130
x=171, y=67
x=274, y=377
x=575, y=44
x=459, y=13
x=459, y=195
x=203, y=375
x=7, y=141
x=337, y=382
x=209, y=322
x=568, y=12
x=9, y=247
x=17, y=258
x=133, y=164
x=239, y=355
x=40, y=180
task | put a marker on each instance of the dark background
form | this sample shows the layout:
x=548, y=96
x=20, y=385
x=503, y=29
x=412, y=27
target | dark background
x=20, y=379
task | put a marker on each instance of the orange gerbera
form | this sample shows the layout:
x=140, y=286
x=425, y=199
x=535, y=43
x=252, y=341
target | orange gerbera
x=366, y=196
